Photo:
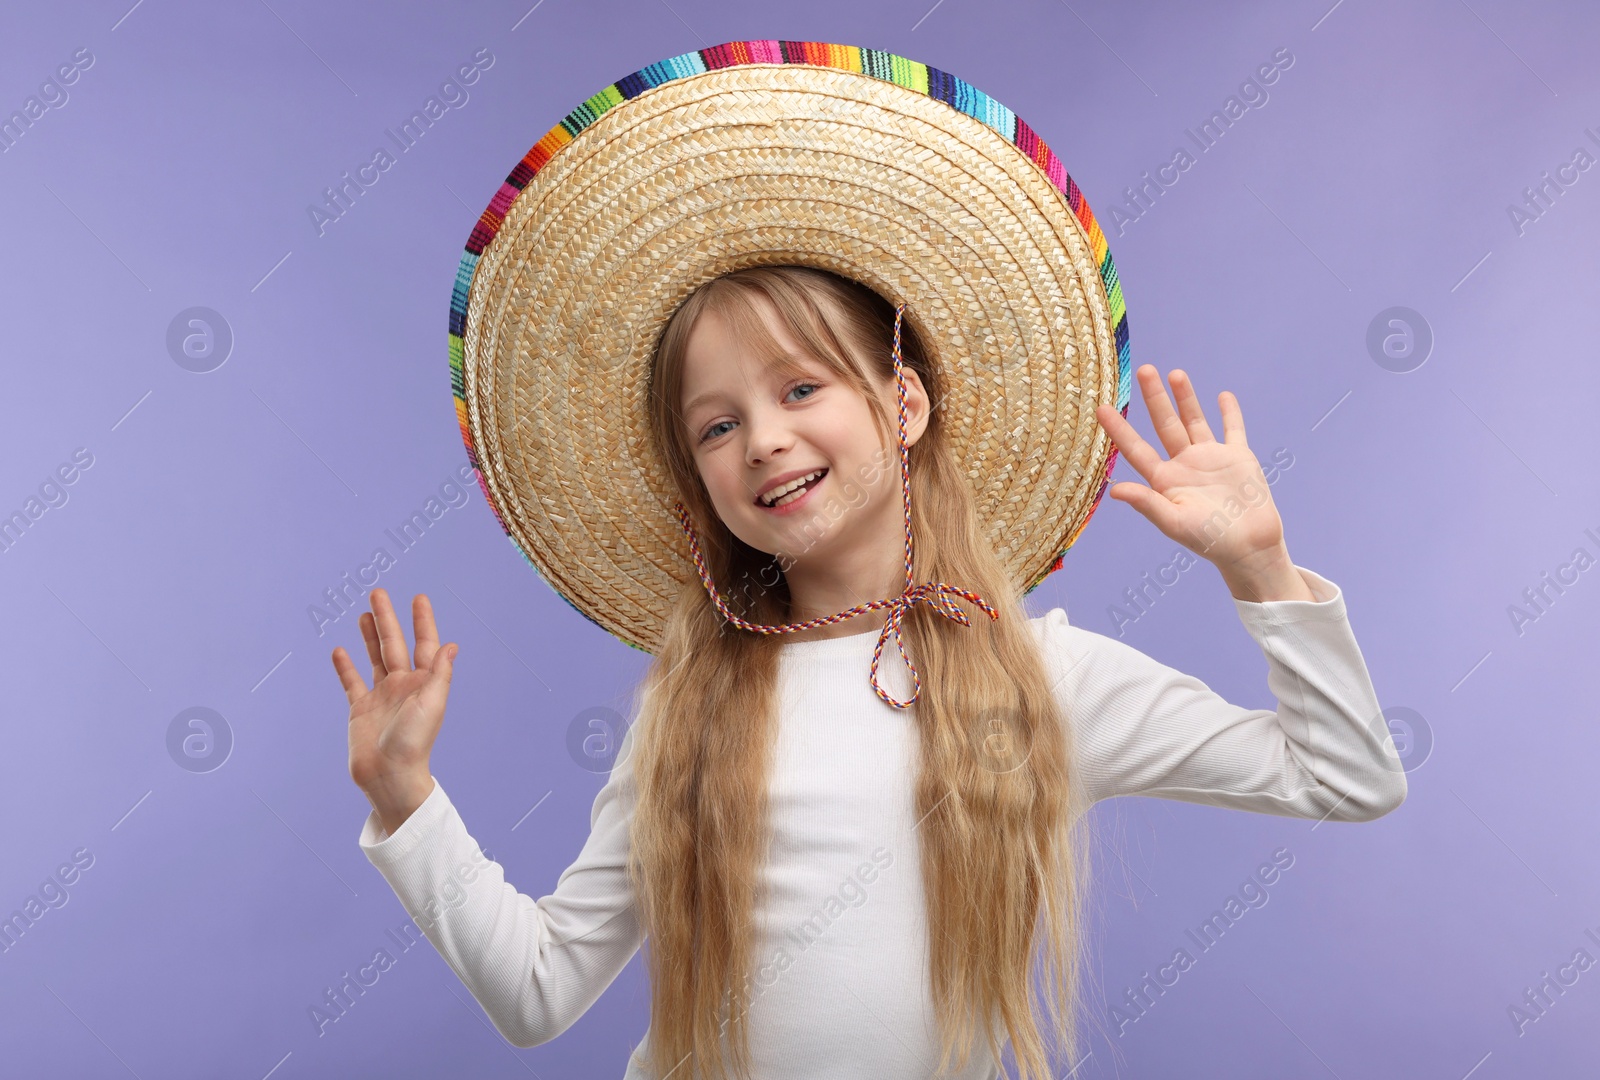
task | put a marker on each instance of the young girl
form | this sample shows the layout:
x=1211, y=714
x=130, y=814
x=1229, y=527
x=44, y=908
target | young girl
x=848, y=868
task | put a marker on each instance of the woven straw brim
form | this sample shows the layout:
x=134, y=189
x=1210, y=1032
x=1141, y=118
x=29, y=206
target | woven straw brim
x=757, y=164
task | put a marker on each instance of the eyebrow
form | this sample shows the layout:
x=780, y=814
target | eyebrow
x=710, y=395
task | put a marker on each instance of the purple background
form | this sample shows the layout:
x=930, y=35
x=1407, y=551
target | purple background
x=220, y=905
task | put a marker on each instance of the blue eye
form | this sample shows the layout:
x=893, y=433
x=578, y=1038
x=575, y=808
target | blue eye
x=712, y=432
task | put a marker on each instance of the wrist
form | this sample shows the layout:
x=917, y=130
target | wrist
x=1265, y=577
x=395, y=798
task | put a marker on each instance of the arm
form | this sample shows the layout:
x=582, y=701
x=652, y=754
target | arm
x=1145, y=729
x=534, y=965
x=1142, y=728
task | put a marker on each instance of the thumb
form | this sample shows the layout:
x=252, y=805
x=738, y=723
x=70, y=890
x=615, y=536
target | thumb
x=1138, y=496
x=1148, y=502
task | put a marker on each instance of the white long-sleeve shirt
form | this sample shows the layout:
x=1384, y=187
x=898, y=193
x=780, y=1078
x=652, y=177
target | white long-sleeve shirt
x=841, y=988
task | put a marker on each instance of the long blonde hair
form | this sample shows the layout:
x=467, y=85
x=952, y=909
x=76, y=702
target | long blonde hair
x=1002, y=859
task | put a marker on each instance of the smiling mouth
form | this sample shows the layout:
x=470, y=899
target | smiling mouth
x=797, y=495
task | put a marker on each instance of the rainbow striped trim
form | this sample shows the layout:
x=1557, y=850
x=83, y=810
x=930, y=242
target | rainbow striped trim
x=937, y=84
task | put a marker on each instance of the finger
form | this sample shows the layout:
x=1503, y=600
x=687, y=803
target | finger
x=1154, y=506
x=444, y=662
x=349, y=677
x=1232, y=418
x=425, y=630
x=1193, y=416
x=1141, y=455
x=369, y=634
x=440, y=673
x=1169, y=427
x=391, y=638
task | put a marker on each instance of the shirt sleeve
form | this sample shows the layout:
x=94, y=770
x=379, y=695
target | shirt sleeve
x=1139, y=727
x=534, y=965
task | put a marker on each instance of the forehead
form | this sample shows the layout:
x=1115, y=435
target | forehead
x=722, y=355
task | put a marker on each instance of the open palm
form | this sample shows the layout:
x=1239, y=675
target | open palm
x=1212, y=497
x=393, y=725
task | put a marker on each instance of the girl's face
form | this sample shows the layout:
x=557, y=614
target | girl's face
x=754, y=430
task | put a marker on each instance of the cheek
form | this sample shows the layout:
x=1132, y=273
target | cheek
x=871, y=457
x=720, y=475
x=848, y=435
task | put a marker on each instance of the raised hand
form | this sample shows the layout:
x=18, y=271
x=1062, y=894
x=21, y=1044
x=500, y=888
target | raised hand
x=393, y=725
x=1212, y=497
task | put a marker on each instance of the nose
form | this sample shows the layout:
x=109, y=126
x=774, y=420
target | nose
x=767, y=435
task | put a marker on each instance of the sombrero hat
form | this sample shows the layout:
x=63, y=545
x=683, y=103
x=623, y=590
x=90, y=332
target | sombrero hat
x=887, y=171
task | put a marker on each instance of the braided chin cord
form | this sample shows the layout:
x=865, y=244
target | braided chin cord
x=937, y=594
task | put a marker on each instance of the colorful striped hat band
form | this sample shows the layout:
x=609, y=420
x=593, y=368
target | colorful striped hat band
x=888, y=172
x=937, y=594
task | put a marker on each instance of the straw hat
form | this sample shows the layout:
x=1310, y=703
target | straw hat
x=897, y=175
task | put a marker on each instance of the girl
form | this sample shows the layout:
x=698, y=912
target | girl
x=831, y=887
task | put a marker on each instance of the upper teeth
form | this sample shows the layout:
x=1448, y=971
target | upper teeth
x=783, y=489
